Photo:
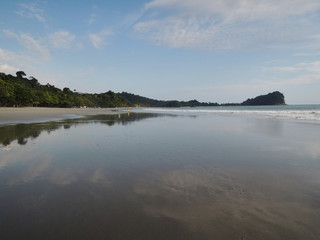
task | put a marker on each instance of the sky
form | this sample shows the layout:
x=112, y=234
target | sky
x=210, y=50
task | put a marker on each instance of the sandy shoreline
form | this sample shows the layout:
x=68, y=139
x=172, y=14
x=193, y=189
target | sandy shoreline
x=40, y=114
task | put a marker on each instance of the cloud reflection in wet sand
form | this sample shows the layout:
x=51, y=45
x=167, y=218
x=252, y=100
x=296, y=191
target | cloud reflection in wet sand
x=232, y=203
x=169, y=178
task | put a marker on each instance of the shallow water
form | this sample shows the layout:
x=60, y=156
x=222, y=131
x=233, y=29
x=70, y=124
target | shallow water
x=300, y=112
x=160, y=176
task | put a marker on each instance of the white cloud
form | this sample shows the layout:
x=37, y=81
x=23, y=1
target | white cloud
x=282, y=69
x=92, y=18
x=61, y=39
x=11, y=61
x=8, y=69
x=303, y=67
x=305, y=73
x=229, y=24
x=244, y=10
x=93, y=15
x=98, y=40
x=31, y=10
x=33, y=46
x=9, y=34
x=35, y=52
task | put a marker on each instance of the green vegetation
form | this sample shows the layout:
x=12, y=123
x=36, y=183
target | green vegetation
x=148, y=102
x=275, y=98
x=21, y=91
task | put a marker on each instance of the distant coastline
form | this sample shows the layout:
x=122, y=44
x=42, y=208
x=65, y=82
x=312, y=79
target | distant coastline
x=274, y=98
x=19, y=91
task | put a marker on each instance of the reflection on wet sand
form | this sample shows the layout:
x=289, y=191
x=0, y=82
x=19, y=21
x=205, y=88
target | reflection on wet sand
x=160, y=178
x=21, y=132
x=227, y=203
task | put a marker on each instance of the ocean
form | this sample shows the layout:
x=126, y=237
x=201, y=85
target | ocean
x=155, y=173
x=301, y=112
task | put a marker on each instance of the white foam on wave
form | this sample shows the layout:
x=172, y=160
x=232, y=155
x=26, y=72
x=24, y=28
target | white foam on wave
x=313, y=115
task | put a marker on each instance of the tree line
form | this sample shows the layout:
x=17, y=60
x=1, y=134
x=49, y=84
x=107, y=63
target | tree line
x=148, y=102
x=22, y=91
x=274, y=98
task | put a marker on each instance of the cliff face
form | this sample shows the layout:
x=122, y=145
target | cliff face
x=275, y=98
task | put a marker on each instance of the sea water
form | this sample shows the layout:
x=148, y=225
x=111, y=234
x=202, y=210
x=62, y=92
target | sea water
x=303, y=112
x=191, y=173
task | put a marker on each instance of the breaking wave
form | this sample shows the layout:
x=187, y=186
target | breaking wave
x=307, y=112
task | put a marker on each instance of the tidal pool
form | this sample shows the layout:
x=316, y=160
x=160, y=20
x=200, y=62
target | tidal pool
x=160, y=176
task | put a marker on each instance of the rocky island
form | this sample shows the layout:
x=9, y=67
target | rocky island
x=274, y=98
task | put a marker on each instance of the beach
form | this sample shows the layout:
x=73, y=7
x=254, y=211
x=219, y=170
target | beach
x=41, y=114
x=170, y=175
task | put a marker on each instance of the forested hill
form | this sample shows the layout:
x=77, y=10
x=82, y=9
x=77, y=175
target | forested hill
x=275, y=98
x=148, y=102
x=141, y=101
x=21, y=91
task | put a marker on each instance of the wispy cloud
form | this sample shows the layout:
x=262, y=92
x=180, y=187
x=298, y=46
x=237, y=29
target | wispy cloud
x=303, y=67
x=36, y=50
x=34, y=46
x=228, y=24
x=41, y=47
x=92, y=18
x=32, y=11
x=305, y=73
x=9, y=33
x=282, y=69
x=99, y=40
x=61, y=39
x=11, y=62
x=7, y=68
x=93, y=15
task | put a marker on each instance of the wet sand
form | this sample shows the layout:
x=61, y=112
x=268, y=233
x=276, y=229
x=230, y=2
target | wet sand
x=148, y=176
x=40, y=114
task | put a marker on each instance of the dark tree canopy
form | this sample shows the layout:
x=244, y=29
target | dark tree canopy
x=275, y=98
x=20, y=91
x=20, y=74
x=29, y=92
x=148, y=102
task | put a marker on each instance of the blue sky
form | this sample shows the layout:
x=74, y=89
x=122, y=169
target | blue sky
x=209, y=50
